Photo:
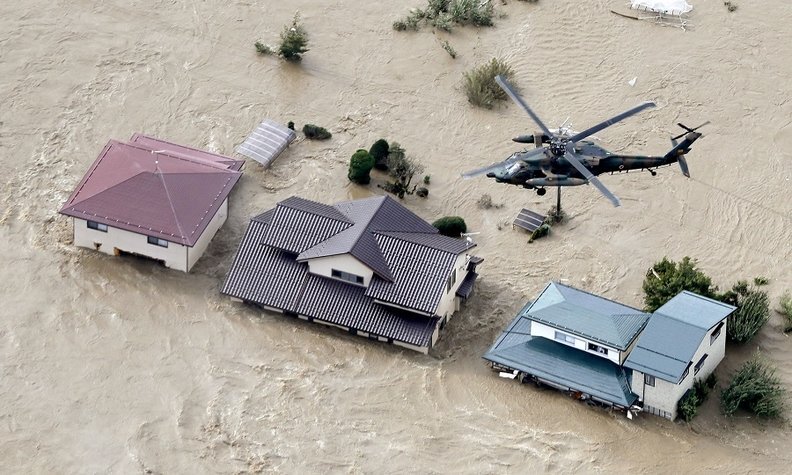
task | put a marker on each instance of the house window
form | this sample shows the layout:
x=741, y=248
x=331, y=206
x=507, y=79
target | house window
x=97, y=226
x=157, y=241
x=597, y=349
x=565, y=338
x=716, y=332
x=700, y=364
x=355, y=279
x=649, y=380
x=684, y=375
x=451, y=281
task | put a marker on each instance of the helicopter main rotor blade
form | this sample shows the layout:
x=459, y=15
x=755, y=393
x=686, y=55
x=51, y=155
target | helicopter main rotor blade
x=574, y=160
x=607, y=123
x=516, y=98
x=497, y=166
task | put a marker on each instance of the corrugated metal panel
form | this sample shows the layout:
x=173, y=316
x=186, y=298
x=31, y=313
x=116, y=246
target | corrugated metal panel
x=564, y=366
x=588, y=315
x=528, y=220
x=263, y=275
x=266, y=142
x=696, y=309
x=347, y=305
x=419, y=273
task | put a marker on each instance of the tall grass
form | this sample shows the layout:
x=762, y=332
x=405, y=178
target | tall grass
x=445, y=14
x=755, y=388
x=480, y=86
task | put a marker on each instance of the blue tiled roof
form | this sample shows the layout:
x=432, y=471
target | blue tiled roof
x=560, y=364
x=587, y=315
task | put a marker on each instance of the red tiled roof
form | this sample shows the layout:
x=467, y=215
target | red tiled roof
x=154, y=188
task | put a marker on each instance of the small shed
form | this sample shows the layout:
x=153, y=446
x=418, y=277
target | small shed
x=267, y=142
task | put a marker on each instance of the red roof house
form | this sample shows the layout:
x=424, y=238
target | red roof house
x=152, y=198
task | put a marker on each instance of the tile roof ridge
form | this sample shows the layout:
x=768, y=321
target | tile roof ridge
x=400, y=235
x=159, y=174
x=178, y=156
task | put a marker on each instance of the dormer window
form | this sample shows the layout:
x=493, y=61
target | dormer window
x=347, y=276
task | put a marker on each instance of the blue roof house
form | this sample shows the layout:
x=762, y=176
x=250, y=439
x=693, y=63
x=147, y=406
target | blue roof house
x=598, y=349
x=370, y=267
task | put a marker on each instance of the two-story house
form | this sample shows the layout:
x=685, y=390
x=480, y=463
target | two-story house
x=370, y=266
x=152, y=198
x=598, y=349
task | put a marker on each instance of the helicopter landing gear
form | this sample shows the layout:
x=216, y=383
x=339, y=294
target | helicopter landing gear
x=654, y=173
x=541, y=191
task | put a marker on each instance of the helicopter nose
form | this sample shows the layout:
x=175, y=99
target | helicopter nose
x=491, y=175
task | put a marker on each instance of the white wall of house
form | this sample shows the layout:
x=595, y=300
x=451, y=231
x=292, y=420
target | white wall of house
x=114, y=239
x=449, y=303
x=546, y=331
x=194, y=253
x=665, y=395
x=344, y=262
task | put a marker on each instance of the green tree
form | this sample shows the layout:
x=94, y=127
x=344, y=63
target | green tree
x=294, y=40
x=753, y=310
x=402, y=169
x=451, y=226
x=360, y=166
x=314, y=132
x=380, y=151
x=755, y=388
x=666, y=278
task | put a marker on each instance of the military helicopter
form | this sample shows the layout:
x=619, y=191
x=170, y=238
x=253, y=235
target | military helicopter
x=563, y=158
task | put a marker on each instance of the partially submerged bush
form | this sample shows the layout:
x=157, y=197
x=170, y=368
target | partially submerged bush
x=485, y=202
x=687, y=407
x=666, y=278
x=379, y=150
x=422, y=192
x=785, y=309
x=294, y=40
x=480, y=86
x=402, y=169
x=755, y=388
x=360, y=166
x=261, y=48
x=451, y=226
x=753, y=311
x=444, y=14
x=314, y=132
x=540, y=232
x=449, y=49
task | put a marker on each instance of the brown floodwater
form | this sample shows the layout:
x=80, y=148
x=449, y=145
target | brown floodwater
x=119, y=365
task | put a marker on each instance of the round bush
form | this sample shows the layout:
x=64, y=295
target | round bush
x=380, y=153
x=359, y=167
x=451, y=226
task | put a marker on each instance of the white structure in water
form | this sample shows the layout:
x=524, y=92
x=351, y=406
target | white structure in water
x=152, y=198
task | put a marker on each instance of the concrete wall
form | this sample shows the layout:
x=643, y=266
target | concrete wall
x=174, y=256
x=665, y=395
x=546, y=331
x=195, y=253
x=344, y=262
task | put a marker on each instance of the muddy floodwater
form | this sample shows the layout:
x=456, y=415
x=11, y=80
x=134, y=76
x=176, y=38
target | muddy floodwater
x=119, y=365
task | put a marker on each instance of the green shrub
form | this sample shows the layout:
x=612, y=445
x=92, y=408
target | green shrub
x=261, y=48
x=314, y=132
x=666, y=278
x=359, y=167
x=687, y=407
x=427, y=180
x=294, y=40
x=485, y=202
x=480, y=86
x=444, y=14
x=422, y=192
x=290, y=125
x=540, y=232
x=753, y=311
x=755, y=388
x=380, y=153
x=451, y=226
x=785, y=309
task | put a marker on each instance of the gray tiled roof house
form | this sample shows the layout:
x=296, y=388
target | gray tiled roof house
x=413, y=269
